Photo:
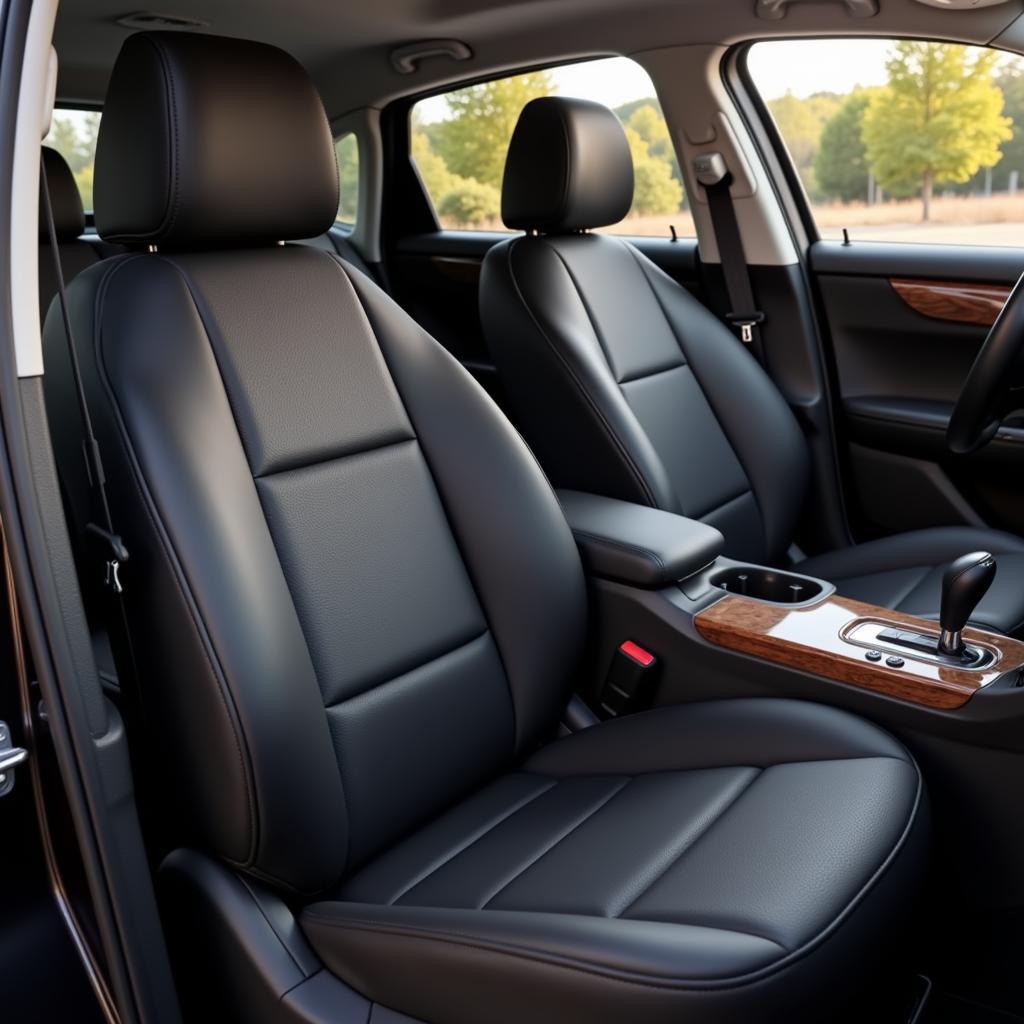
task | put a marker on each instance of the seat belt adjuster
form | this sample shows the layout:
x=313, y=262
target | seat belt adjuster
x=746, y=322
x=115, y=554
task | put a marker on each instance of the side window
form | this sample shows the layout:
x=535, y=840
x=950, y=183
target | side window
x=347, y=150
x=901, y=140
x=460, y=139
x=73, y=134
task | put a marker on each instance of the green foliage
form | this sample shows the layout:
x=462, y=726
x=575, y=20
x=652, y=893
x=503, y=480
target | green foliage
x=626, y=110
x=654, y=189
x=461, y=158
x=433, y=170
x=347, y=150
x=471, y=203
x=75, y=139
x=939, y=119
x=649, y=123
x=841, y=163
x=801, y=123
x=1010, y=81
x=473, y=142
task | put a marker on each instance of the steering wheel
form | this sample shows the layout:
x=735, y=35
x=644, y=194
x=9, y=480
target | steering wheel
x=995, y=384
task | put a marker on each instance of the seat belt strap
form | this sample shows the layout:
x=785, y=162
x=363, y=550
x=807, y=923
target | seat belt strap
x=115, y=553
x=713, y=174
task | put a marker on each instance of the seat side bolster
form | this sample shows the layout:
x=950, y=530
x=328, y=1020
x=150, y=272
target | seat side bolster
x=750, y=409
x=511, y=532
x=562, y=388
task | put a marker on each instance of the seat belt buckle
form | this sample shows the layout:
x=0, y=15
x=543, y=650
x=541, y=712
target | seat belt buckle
x=630, y=670
x=114, y=553
x=746, y=322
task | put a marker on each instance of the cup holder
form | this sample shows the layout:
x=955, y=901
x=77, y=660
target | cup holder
x=768, y=585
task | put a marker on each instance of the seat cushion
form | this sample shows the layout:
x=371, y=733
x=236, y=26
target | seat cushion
x=904, y=572
x=686, y=863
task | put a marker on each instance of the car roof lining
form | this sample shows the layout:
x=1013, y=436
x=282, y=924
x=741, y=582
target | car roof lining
x=347, y=47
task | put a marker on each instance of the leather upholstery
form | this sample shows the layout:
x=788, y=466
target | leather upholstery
x=565, y=892
x=626, y=386
x=209, y=141
x=905, y=572
x=568, y=167
x=65, y=199
x=356, y=610
x=635, y=544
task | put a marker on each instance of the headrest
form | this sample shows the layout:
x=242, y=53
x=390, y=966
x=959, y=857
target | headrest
x=65, y=199
x=568, y=167
x=210, y=141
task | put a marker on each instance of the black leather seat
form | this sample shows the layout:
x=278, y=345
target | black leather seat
x=356, y=611
x=625, y=385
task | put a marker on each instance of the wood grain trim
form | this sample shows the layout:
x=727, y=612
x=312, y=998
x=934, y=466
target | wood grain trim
x=462, y=269
x=809, y=639
x=959, y=302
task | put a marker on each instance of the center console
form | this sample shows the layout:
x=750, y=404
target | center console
x=846, y=640
x=793, y=621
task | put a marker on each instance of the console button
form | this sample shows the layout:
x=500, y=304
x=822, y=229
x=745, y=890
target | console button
x=874, y=655
x=894, y=661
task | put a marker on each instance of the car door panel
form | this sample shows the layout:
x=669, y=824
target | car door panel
x=906, y=323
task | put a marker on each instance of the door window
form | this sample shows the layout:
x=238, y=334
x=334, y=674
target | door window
x=901, y=140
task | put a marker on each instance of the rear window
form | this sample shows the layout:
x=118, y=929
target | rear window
x=346, y=149
x=73, y=134
x=460, y=140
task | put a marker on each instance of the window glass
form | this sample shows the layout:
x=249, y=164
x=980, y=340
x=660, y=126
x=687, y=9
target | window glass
x=460, y=140
x=73, y=134
x=900, y=140
x=347, y=150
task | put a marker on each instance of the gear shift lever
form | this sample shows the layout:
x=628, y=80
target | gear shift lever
x=964, y=584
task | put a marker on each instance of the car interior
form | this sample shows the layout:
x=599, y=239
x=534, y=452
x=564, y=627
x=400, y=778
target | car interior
x=571, y=570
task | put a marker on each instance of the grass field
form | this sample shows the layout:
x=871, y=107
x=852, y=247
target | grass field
x=956, y=220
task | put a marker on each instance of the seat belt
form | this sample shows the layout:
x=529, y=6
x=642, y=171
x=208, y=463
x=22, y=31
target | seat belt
x=712, y=173
x=115, y=553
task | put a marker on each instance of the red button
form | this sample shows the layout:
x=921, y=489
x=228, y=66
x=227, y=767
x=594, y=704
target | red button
x=637, y=653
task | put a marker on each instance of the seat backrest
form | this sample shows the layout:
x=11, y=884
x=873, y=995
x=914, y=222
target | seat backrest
x=76, y=254
x=352, y=596
x=620, y=380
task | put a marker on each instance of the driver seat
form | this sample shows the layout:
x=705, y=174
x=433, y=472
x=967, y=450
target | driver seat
x=625, y=385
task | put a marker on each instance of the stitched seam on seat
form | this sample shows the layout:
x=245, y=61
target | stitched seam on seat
x=725, y=504
x=627, y=459
x=177, y=572
x=624, y=545
x=704, y=391
x=174, y=183
x=653, y=373
x=735, y=982
x=387, y=681
x=477, y=942
x=344, y=268
x=339, y=457
x=690, y=845
x=550, y=846
x=474, y=839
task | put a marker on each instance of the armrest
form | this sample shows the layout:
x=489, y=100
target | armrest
x=636, y=544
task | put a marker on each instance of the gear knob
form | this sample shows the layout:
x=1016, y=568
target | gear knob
x=964, y=584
